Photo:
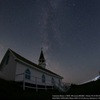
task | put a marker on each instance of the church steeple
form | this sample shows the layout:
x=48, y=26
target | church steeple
x=42, y=61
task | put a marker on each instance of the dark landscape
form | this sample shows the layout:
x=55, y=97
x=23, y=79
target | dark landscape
x=11, y=90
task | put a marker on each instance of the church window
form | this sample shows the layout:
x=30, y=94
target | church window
x=59, y=82
x=52, y=80
x=27, y=74
x=43, y=78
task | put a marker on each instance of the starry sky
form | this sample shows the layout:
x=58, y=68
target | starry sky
x=67, y=30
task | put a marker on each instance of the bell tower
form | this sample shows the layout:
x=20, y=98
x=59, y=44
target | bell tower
x=42, y=61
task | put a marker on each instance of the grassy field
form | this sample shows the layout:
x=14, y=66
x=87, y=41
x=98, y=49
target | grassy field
x=11, y=90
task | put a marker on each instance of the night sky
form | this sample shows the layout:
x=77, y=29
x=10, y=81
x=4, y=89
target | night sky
x=68, y=31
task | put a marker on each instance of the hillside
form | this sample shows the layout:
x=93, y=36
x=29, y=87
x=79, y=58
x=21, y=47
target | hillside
x=90, y=88
x=11, y=90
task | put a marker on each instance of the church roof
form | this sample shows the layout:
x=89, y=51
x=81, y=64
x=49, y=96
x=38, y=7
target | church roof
x=22, y=59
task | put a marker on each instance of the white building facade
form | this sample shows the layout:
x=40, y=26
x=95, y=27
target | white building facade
x=14, y=67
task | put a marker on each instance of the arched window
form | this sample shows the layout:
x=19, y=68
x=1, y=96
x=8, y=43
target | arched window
x=53, y=81
x=27, y=74
x=43, y=78
x=59, y=82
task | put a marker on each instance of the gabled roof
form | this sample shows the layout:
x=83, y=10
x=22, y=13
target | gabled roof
x=22, y=59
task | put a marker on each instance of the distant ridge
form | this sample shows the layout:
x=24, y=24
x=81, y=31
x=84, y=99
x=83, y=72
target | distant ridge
x=94, y=79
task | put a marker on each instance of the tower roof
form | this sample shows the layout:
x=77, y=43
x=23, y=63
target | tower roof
x=42, y=56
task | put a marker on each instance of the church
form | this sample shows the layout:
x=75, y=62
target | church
x=16, y=68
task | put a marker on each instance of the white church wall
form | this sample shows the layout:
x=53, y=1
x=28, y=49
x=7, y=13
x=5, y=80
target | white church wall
x=8, y=68
x=20, y=69
x=36, y=75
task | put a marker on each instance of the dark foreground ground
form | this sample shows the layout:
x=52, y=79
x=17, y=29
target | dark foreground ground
x=11, y=90
x=91, y=88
